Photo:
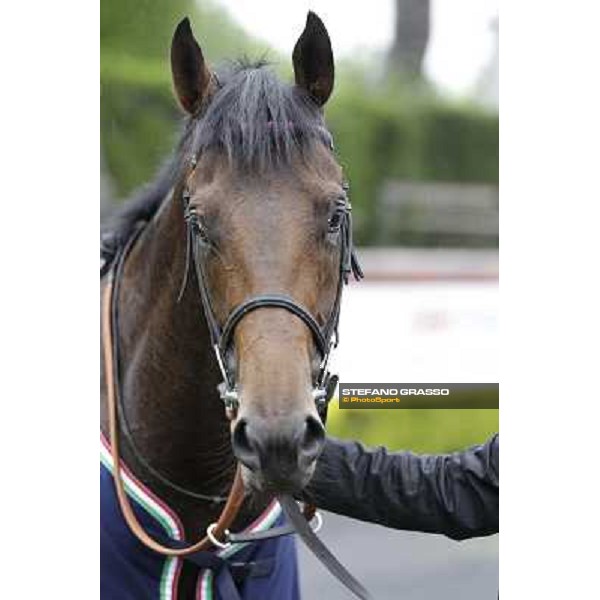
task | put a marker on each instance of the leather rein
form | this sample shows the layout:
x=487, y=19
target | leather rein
x=326, y=338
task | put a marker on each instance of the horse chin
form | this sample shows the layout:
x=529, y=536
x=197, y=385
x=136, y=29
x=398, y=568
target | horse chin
x=259, y=484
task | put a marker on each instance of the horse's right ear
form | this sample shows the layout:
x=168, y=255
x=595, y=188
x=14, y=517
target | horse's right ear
x=191, y=76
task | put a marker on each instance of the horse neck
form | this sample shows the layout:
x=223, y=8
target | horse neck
x=168, y=372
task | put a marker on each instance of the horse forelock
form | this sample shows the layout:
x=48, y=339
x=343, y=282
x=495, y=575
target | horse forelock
x=255, y=119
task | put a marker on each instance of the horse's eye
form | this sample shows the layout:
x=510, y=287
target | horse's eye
x=197, y=224
x=339, y=213
x=201, y=232
x=335, y=221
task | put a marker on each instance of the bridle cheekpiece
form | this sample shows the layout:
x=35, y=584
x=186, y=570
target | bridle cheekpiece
x=326, y=338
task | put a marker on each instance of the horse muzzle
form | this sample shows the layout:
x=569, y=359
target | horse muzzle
x=280, y=452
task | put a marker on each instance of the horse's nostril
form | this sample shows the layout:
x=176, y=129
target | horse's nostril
x=244, y=447
x=312, y=440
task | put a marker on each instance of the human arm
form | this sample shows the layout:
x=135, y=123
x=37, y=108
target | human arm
x=452, y=494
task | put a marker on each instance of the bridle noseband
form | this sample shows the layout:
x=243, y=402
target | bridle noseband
x=326, y=338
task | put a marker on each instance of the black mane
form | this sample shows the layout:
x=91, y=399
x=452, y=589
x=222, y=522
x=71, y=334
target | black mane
x=254, y=118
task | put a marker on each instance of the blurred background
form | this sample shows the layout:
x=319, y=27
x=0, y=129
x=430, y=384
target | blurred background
x=414, y=116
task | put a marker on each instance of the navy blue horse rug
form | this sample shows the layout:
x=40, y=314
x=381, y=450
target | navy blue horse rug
x=130, y=571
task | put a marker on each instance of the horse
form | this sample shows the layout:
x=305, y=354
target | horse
x=224, y=287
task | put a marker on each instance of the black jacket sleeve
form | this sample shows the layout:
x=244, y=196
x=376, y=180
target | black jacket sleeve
x=452, y=494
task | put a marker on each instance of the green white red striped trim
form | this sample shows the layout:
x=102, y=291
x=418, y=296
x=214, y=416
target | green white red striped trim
x=157, y=509
x=172, y=526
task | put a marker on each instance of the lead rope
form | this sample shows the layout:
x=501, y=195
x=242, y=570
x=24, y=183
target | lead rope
x=216, y=531
x=236, y=494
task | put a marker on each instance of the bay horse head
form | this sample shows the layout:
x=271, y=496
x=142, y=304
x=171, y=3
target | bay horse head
x=268, y=231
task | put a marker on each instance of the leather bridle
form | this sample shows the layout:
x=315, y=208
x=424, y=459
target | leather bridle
x=324, y=384
x=326, y=338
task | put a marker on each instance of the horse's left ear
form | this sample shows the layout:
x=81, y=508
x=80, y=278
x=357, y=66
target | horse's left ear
x=191, y=76
x=313, y=60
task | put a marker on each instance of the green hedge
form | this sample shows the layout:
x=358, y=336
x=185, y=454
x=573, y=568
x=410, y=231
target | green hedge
x=138, y=130
x=384, y=134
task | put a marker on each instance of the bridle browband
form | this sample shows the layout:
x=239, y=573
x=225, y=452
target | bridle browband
x=325, y=338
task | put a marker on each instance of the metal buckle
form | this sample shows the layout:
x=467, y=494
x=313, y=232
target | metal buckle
x=319, y=522
x=211, y=536
x=319, y=394
x=230, y=399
